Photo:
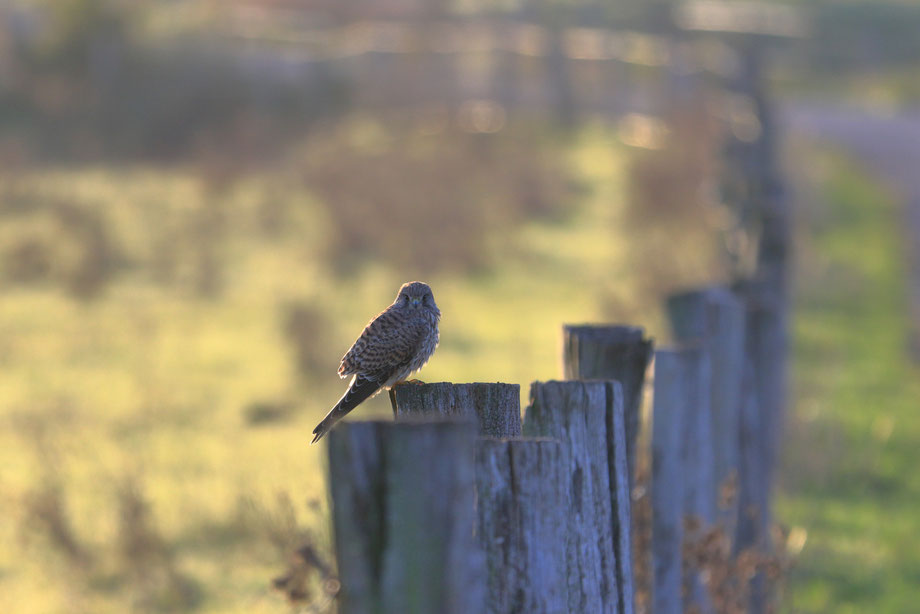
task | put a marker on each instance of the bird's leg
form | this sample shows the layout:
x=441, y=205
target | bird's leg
x=414, y=382
x=393, y=400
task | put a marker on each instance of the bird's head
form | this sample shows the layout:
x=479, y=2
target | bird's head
x=415, y=295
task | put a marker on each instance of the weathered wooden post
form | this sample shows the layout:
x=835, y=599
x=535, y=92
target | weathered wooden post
x=576, y=414
x=495, y=407
x=619, y=353
x=621, y=495
x=682, y=472
x=754, y=476
x=403, y=517
x=767, y=299
x=667, y=499
x=521, y=494
x=714, y=319
x=522, y=515
x=766, y=354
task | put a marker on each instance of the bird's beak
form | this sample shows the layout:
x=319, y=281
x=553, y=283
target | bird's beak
x=415, y=301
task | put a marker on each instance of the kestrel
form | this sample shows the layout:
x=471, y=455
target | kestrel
x=399, y=341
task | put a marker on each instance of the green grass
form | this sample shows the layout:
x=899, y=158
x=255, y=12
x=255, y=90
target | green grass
x=849, y=474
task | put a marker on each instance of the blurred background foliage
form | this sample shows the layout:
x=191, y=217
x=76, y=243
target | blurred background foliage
x=202, y=203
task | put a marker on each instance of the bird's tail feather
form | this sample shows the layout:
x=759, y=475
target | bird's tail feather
x=359, y=390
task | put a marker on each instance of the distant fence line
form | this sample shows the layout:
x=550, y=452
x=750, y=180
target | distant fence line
x=487, y=67
x=585, y=32
x=480, y=36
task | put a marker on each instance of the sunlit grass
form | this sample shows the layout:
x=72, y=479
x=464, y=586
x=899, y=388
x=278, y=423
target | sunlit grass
x=849, y=471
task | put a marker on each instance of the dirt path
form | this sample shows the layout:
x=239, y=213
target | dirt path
x=890, y=146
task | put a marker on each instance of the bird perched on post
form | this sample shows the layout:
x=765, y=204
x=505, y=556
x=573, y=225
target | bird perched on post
x=399, y=341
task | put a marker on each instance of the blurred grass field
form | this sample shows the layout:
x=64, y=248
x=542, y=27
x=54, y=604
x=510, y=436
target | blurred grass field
x=848, y=474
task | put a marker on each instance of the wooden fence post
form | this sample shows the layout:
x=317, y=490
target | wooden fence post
x=403, y=517
x=522, y=516
x=766, y=352
x=682, y=472
x=667, y=503
x=495, y=407
x=766, y=296
x=576, y=414
x=714, y=318
x=621, y=495
x=754, y=483
x=619, y=353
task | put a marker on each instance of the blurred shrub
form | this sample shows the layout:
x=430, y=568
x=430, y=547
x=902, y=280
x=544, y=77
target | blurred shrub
x=46, y=514
x=308, y=580
x=84, y=81
x=258, y=413
x=674, y=207
x=430, y=202
x=48, y=240
x=147, y=560
x=667, y=182
x=352, y=194
x=305, y=328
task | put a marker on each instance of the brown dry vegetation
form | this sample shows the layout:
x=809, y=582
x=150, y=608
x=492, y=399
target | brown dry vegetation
x=728, y=575
x=445, y=200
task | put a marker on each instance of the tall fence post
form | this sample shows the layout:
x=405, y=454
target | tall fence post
x=714, y=319
x=621, y=495
x=683, y=486
x=619, y=353
x=495, y=407
x=763, y=198
x=403, y=517
x=754, y=482
x=766, y=353
x=522, y=515
x=667, y=503
x=753, y=182
x=576, y=414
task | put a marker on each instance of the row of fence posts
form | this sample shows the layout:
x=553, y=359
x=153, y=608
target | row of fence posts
x=461, y=506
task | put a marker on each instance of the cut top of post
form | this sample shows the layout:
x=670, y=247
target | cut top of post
x=605, y=352
x=596, y=351
x=496, y=407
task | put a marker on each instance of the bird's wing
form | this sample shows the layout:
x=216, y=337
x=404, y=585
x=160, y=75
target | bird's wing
x=388, y=342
